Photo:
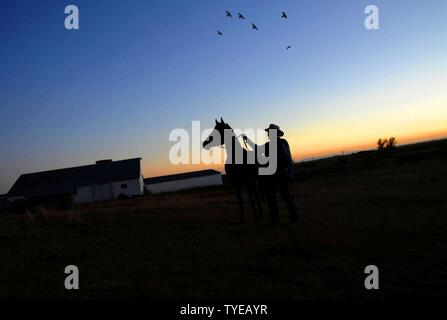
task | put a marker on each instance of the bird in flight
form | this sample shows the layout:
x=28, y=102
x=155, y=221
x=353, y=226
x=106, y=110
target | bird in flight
x=219, y=33
x=229, y=14
x=284, y=15
x=241, y=16
x=288, y=47
x=253, y=26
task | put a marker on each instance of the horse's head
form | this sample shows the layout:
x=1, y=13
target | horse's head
x=216, y=137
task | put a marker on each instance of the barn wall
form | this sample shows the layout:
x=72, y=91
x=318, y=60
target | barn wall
x=84, y=195
x=109, y=191
x=102, y=192
x=134, y=188
x=212, y=180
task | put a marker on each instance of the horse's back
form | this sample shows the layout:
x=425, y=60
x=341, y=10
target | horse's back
x=239, y=174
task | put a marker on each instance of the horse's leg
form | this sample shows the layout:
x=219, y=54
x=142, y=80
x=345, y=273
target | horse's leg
x=251, y=190
x=240, y=202
x=270, y=195
x=258, y=201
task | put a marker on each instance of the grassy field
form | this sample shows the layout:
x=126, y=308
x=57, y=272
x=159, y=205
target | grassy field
x=356, y=210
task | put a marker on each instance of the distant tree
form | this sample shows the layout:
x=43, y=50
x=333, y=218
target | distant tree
x=386, y=144
x=391, y=143
x=381, y=144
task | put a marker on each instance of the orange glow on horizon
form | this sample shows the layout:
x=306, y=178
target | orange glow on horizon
x=411, y=109
x=162, y=168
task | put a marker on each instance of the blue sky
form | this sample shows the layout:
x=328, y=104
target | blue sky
x=138, y=69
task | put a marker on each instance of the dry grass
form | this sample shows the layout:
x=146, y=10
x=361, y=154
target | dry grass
x=189, y=245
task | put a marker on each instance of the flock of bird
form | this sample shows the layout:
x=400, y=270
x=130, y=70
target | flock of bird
x=253, y=26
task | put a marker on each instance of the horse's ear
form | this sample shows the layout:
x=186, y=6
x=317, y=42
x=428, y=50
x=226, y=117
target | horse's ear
x=222, y=120
x=216, y=121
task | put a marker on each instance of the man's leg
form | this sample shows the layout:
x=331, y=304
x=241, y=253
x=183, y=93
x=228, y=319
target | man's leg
x=270, y=195
x=287, y=197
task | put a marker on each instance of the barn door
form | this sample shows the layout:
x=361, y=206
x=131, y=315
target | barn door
x=102, y=192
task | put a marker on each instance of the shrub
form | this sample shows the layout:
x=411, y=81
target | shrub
x=386, y=144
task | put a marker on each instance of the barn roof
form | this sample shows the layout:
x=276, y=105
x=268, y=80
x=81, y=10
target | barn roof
x=66, y=181
x=181, y=176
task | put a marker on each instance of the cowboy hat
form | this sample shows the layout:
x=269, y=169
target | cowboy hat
x=275, y=127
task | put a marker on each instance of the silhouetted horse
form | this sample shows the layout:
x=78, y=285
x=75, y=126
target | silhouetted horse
x=240, y=171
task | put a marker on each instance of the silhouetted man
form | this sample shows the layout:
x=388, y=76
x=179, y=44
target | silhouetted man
x=279, y=181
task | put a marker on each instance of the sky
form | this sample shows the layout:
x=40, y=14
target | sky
x=136, y=70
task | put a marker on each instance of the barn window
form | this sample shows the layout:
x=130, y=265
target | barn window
x=124, y=186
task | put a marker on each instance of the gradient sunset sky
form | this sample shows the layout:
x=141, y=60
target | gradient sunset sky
x=138, y=69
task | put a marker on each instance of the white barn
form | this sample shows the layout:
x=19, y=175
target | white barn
x=183, y=181
x=102, y=181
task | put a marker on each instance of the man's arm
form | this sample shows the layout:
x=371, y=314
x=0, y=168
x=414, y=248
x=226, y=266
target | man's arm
x=260, y=148
x=290, y=163
x=289, y=154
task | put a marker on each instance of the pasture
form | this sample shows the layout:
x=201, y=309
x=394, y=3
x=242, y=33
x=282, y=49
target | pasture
x=354, y=211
